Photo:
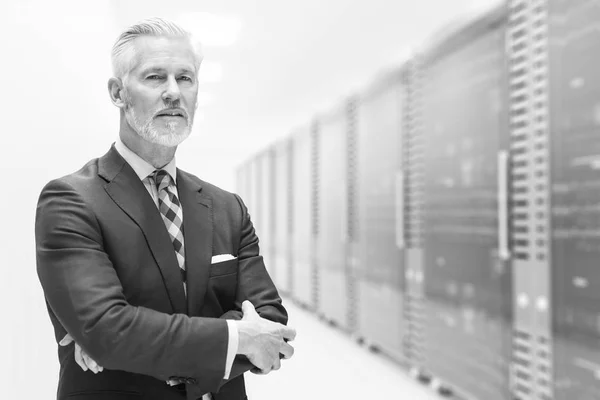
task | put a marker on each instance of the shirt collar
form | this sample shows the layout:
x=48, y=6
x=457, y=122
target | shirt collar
x=141, y=167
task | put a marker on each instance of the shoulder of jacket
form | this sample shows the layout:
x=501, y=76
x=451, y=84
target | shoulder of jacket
x=210, y=190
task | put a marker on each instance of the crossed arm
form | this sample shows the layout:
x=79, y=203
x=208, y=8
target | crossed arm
x=241, y=363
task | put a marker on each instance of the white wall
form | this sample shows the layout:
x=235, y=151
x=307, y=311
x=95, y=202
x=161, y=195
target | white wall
x=54, y=116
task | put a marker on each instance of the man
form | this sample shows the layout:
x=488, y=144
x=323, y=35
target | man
x=155, y=274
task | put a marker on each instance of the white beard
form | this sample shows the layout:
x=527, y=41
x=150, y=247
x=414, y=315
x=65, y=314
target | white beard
x=149, y=132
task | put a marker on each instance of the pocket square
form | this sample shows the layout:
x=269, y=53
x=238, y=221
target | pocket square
x=221, y=257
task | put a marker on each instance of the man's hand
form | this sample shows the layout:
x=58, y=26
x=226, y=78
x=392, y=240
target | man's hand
x=262, y=341
x=84, y=361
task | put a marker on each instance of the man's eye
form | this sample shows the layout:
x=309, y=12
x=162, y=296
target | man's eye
x=187, y=78
x=153, y=77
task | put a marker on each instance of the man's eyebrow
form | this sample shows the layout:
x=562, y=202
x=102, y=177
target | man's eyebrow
x=184, y=70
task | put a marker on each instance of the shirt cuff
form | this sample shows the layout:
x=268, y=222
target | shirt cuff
x=232, y=347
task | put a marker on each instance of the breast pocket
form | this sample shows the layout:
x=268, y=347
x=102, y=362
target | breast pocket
x=224, y=268
x=223, y=280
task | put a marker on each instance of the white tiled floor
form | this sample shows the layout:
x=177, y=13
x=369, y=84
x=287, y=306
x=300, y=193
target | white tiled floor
x=329, y=365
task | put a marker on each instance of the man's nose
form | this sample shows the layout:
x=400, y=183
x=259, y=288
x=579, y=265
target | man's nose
x=171, y=92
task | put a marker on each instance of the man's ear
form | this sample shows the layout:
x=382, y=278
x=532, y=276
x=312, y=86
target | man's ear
x=115, y=91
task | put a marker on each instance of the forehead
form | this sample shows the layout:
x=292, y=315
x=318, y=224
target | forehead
x=153, y=52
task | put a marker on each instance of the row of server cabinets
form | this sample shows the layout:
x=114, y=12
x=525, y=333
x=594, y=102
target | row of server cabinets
x=449, y=214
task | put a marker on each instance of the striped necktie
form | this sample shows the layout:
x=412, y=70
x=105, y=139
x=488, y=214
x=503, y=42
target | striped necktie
x=170, y=210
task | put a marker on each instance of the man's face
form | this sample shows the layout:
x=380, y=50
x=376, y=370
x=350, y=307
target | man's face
x=161, y=91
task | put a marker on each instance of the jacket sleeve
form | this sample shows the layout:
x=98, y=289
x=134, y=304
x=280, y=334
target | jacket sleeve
x=254, y=284
x=85, y=295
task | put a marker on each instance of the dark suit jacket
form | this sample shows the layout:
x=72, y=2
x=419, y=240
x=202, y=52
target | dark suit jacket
x=111, y=279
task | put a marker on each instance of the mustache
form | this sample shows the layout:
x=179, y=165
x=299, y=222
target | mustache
x=185, y=112
x=168, y=106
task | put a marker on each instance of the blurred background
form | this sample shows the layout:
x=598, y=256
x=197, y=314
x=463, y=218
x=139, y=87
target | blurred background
x=421, y=175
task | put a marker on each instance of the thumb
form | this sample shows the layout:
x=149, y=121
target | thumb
x=248, y=309
x=66, y=340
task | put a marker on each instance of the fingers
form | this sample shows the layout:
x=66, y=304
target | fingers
x=85, y=361
x=79, y=359
x=66, y=340
x=256, y=371
x=265, y=371
x=277, y=365
x=288, y=333
x=287, y=351
x=92, y=365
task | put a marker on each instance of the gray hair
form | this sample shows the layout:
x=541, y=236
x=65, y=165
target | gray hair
x=123, y=51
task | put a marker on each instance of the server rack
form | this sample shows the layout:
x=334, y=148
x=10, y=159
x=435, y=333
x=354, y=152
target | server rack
x=532, y=336
x=256, y=196
x=241, y=181
x=381, y=277
x=352, y=214
x=302, y=219
x=331, y=234
x=264, y=226
x=282, y=257
x=315, y=213
x=467, y=276
x=251, y=199
x=409, y=234
x=496, y=206
x=568, y=119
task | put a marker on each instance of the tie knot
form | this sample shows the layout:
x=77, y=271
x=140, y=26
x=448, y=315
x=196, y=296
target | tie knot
x=162, y=179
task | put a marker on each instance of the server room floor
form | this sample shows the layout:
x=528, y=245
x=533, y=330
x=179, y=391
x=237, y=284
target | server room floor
x=328, y=364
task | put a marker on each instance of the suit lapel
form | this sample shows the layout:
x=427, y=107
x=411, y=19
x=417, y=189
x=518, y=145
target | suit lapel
x=198, y=233
x=129, y=193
